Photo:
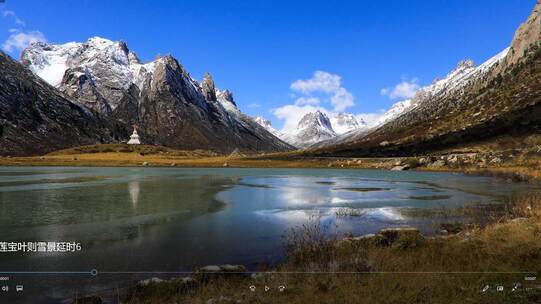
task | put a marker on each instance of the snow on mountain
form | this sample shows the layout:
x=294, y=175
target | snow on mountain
x=464, y=73
x=226, y=100
x=160, y=96
x=109, y=65
x=394, y=111
x=315, y=127
x=265, y=123
x=345, y=122
x=312, y=128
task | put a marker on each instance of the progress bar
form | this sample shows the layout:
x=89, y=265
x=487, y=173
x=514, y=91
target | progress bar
x=95, y=272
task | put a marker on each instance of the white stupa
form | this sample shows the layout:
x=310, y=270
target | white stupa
x=134, y=138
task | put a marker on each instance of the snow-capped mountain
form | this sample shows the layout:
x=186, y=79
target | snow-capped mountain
x=169, y=107
x=315, y=127
x=345, y=122
x=454, y=83
x=267, y=124
x=464, y=73
x=394, y=111
x=96, y=72
x=312, y=128
x=35, y=118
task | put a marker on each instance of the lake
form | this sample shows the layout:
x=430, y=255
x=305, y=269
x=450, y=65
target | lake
x=177, y=219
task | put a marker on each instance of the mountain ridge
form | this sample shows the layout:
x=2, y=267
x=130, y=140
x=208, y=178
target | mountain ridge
x=167, y=105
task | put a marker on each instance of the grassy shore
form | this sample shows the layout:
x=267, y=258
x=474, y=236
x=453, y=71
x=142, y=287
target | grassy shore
x=518, y=167
x=390, y=267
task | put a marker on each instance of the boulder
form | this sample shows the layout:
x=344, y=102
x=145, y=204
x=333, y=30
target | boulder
x=149, y=281
x=452, y=159
x=437, y=164
x=357, y=240
x=496, y=160
x=185, y=283
x=401, y=168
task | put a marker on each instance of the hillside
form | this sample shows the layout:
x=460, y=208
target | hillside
x=481, y=105
x=35, y=118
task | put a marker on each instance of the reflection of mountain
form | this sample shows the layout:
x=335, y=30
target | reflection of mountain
x=111, y=210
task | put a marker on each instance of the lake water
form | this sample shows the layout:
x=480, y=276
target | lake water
x=176, y=219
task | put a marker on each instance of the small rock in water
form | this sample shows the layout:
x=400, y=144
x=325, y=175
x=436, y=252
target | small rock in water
x=145, y=164
x=226, y=164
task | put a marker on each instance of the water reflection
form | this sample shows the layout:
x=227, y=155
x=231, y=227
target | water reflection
x=177, y=219
x=134, y=189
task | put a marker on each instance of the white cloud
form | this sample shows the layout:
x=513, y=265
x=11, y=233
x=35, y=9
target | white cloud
x=18, y=41
x=342, y=100
x=254, y=105
x=404, y=90
x=301, y=101
x=12, y=14
x=19, y=38
x=320, y=82
x=326, y=83
x=324, y=90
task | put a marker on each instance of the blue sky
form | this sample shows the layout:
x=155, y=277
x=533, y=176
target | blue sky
x=259, y=49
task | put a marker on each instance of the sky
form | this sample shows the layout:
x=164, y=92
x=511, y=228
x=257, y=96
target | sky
x=282, y=59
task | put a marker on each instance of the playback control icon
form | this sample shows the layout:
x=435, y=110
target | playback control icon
x=5, y=288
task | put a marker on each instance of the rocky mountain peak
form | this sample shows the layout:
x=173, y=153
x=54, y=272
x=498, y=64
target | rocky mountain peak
x=315, y=119
x=225, y=95
x=527, y=37
x=265, y=123
x=312, y=128
x=208, y=87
